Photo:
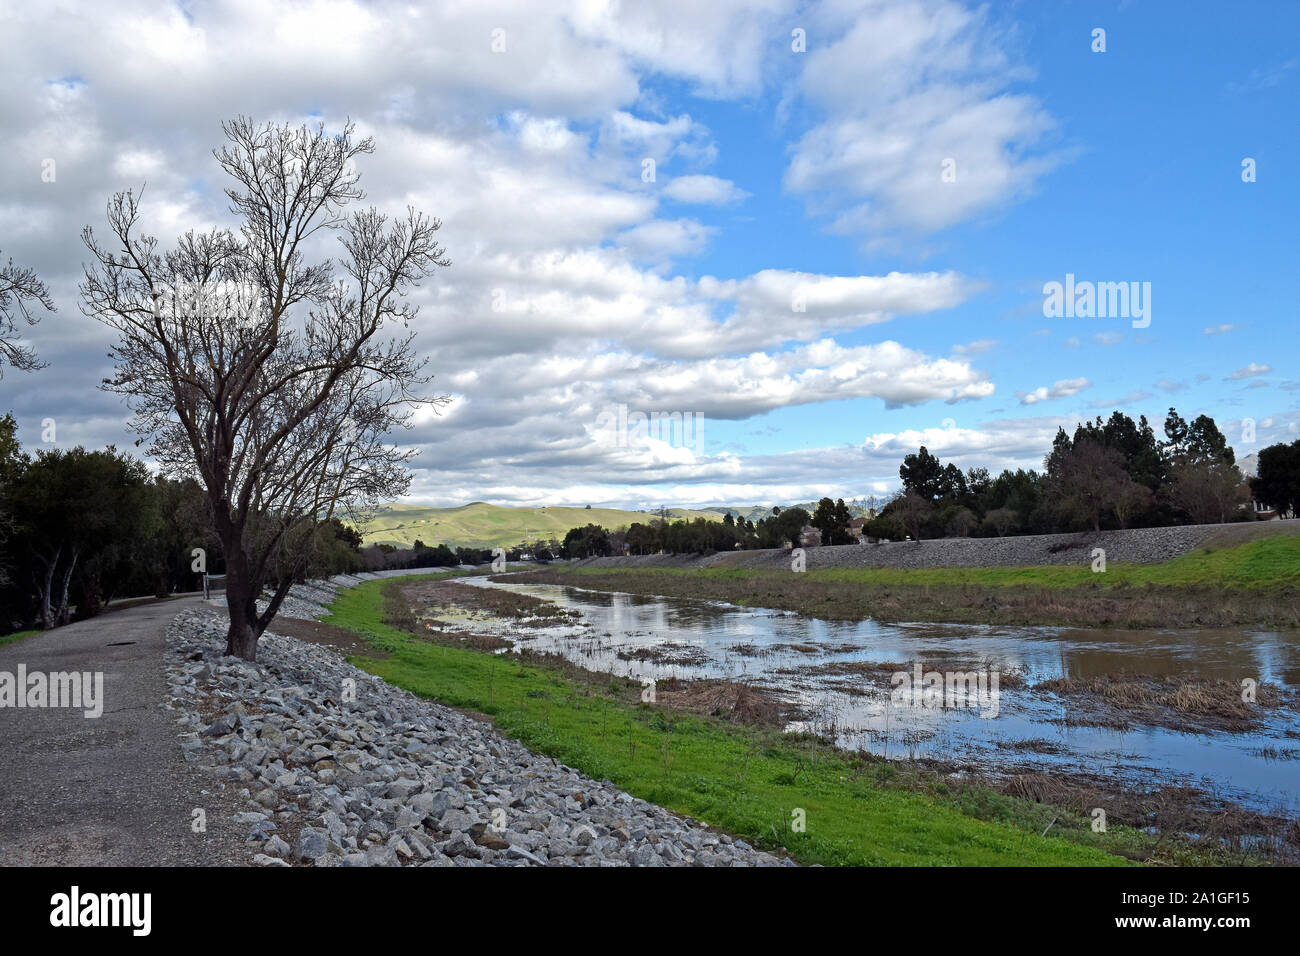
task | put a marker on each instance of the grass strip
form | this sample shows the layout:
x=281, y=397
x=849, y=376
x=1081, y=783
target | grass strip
x=751, y=782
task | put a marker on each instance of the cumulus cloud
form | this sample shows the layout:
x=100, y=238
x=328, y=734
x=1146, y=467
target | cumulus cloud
x=847, y=471
x=1250, y=371
x=662, y=239
x=565, y=293
x=704, y=190
x=907, y=91
x=978, y=347
x=1061, y=389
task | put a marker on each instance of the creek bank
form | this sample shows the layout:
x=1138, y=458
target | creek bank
x=1092, y=604
x=1132, y=546
x=339, y=768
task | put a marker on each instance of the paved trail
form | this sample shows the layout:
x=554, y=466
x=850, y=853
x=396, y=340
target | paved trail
x=113, y=790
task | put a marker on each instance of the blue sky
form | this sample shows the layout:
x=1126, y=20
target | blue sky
x=1157, y=126
x=577, y=286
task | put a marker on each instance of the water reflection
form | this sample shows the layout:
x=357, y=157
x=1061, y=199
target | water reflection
x=790, y=654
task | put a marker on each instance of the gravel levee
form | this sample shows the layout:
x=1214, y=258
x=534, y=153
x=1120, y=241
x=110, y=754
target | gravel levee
x=1137, y=546
x=339, y=768
x=311, y=601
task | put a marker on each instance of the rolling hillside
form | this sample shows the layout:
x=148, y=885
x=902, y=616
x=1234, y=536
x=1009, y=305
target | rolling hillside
x=482, y=525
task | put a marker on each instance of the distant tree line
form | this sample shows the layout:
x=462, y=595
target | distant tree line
x=379, y=557
x=702, y=536
x=1109, y=474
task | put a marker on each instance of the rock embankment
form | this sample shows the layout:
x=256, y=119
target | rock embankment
x=311, y=601
x=339, y=768
x=1136, y=545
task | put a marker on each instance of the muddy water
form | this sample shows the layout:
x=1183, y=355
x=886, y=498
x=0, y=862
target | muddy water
x=789, y=654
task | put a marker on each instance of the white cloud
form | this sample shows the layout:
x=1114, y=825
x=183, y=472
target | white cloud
x=662, y=239
x=567, y=289
x=1061, y=389
x=978, y=347
x=1251, y=370
x=907, y=89
x=704, y=190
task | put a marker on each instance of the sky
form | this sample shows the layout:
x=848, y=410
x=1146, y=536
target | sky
x=821, y=233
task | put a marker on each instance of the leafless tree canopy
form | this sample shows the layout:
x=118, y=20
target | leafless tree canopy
x=258, y=371
x=913, y=511
x=1088, y=481
x=1209, y=491
x=20, y=290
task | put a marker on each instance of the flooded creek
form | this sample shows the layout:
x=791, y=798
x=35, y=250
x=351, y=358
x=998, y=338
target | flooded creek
x=841, y=678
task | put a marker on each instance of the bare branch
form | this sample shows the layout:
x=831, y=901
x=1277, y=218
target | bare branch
x=263, y=375
x=20, y=290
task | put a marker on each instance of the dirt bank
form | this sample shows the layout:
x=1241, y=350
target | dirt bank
x=1093, y=605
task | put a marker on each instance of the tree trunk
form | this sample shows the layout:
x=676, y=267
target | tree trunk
x=241, y=638
x=45, y=587
x=273, y=606
x=241, y=599
x=61, y=615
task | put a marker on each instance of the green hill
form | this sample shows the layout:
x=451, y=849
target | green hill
x=482, y=525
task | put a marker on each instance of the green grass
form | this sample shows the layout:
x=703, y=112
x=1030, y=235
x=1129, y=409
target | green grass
x=17, y=636
x=746, y=781
x=482, y=525
x=1265, y=563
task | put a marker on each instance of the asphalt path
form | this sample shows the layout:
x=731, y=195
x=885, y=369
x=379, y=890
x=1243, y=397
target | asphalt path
x=113, y=790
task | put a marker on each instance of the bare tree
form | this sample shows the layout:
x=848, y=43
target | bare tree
x=1002, y=520
x=1087, y=479
x=260, y=373
x=912, y=511
x=20, y=290
x=962, y=523
x=1208, y=491
x=1131, y=498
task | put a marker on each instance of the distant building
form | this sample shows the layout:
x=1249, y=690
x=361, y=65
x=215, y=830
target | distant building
x=1263, y=512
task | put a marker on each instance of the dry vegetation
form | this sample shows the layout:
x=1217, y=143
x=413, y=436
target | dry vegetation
x=1114, y=606
x=1179, y=702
